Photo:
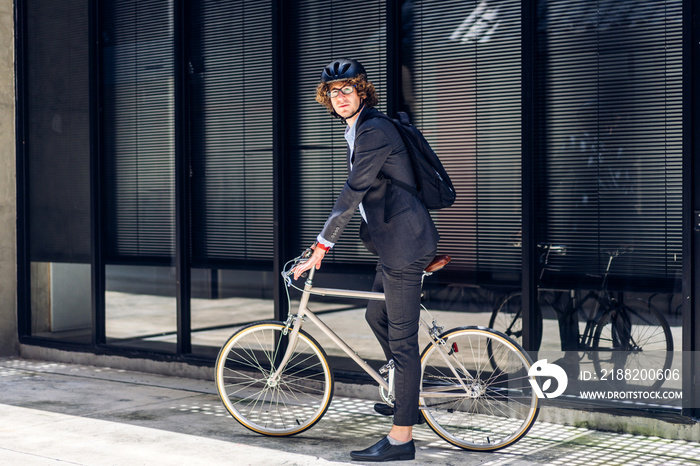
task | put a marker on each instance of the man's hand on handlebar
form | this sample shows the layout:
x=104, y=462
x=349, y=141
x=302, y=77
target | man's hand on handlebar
x=314, y=260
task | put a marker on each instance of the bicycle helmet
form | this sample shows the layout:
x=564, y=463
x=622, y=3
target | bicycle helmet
x=342, y=70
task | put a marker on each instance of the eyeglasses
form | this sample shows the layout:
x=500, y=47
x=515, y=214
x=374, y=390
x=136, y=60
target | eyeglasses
x=347, y=90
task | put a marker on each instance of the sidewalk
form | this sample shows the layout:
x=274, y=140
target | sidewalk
x=55, y=413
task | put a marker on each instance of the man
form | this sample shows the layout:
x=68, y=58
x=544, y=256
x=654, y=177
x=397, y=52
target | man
x=396, y=226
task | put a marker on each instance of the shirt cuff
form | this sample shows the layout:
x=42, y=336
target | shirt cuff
x=321, y=240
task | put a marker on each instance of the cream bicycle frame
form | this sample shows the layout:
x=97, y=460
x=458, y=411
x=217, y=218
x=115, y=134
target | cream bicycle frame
x=304, y=312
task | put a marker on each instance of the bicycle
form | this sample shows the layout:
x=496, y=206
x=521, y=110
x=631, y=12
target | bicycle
x=275, y=379
x=628, y=335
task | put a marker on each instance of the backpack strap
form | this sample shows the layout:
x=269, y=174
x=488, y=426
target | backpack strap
x=402, y=185
x=403, y=119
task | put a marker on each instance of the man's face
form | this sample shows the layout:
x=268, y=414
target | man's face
x=344, y=104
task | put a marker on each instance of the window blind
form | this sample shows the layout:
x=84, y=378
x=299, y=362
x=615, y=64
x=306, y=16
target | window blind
x=231, y=71
x=138, y=129
x=462, y=84
x=58, y=131
x=612, y=155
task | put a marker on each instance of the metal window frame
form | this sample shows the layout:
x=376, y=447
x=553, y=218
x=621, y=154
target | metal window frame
x=282, y=205
x=691, y=207
x=182, y=180
x=528, y=140
x=24, y=322
x=99, y=337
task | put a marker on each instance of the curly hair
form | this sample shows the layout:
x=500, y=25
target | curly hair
x=365, y=90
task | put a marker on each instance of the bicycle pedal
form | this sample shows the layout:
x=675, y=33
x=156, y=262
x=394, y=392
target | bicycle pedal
x=384, y=370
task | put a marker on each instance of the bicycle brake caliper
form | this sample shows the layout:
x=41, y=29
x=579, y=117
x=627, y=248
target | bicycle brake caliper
x=289, y=323
x=436, y=331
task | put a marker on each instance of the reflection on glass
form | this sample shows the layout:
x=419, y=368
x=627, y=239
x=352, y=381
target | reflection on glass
x=604, y=339
x=608, y=197
x=224, y=300
x=141, y=307
x=61, y=301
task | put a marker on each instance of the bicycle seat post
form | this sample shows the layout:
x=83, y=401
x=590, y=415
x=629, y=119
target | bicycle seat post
x=607, y=271
x=544, y=258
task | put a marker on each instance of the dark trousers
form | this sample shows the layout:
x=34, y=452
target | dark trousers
x=568, y=323
x=395, y=324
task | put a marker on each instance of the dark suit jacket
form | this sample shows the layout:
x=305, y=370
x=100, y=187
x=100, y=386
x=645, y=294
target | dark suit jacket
x=398, y=223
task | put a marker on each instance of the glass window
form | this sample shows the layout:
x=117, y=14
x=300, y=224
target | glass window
x=609, y=203
x=231, y=78
x=462, y=86
x=57, y=122
x=139, y=174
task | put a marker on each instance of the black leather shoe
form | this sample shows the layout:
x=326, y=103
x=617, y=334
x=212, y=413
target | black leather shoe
x=386, y=410
x=385, y=451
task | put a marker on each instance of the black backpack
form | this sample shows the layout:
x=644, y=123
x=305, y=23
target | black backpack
x=433, y=185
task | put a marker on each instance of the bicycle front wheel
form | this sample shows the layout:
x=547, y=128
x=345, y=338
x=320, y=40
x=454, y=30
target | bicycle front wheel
x=278, y=406
x=471, y=401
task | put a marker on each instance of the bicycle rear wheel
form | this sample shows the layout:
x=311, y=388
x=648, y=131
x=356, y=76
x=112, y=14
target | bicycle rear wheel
x=632, y=341
x=244, y=379
x=469, y=403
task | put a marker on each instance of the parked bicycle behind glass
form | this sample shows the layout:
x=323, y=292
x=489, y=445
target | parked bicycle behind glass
x=617, y=334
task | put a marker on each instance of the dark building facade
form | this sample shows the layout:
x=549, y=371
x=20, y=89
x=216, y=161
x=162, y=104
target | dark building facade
x=171, y=158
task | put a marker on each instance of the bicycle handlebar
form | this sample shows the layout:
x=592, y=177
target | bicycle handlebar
x=619, y=252
x=288, y=269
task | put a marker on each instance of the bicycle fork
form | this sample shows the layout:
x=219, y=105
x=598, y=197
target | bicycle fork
x=293, y=323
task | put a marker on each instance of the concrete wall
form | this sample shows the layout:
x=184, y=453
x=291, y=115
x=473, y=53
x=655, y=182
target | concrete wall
x=9, y=344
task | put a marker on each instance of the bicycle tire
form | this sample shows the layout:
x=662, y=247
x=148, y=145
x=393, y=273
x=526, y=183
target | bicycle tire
x=631, y=337
x=507, y=318
x=243, y=380
x=499, y=406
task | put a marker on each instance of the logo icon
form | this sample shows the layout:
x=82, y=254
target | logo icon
x=551, y=371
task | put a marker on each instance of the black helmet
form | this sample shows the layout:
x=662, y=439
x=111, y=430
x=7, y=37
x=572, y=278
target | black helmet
x=342, y=70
